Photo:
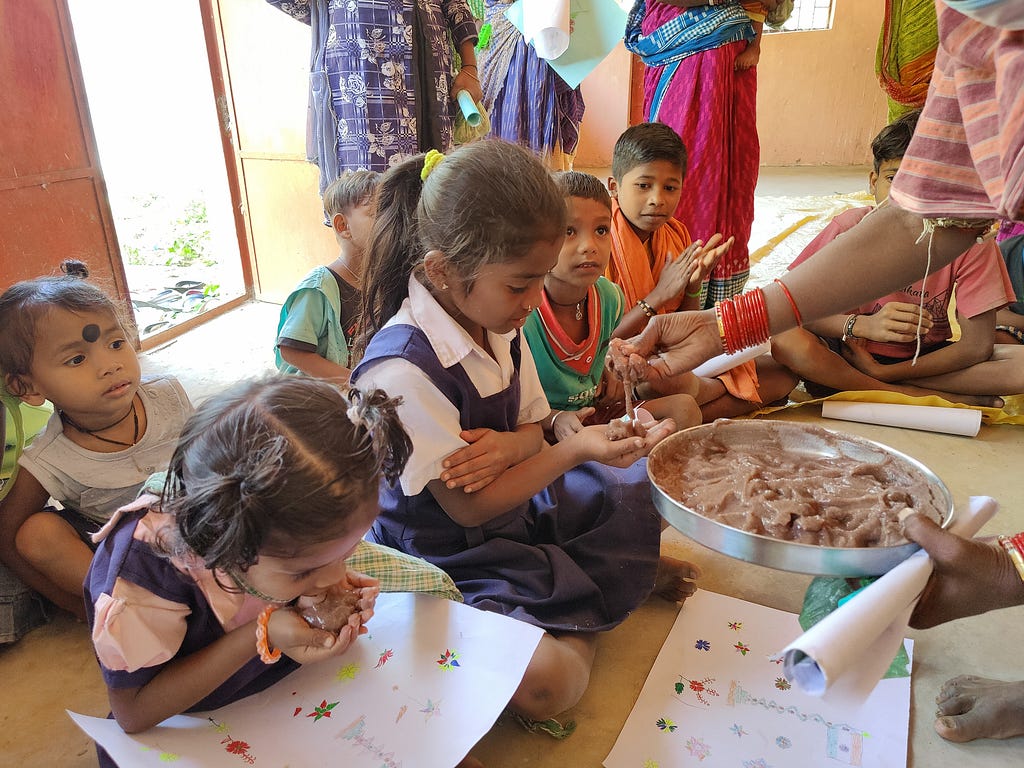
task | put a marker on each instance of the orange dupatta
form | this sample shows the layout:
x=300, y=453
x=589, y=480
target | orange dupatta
x=630, y=266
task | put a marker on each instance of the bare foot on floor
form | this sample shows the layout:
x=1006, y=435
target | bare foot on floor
x=676, y=579
x=972, y=707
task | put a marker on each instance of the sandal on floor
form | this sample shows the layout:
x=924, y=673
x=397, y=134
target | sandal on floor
x=551, y=727
x=188, y=285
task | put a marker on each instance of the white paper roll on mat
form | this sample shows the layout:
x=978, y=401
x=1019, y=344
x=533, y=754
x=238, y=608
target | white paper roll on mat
x=930, y=418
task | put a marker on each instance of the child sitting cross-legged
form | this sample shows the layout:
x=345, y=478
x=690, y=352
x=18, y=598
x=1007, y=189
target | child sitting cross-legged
x=659, y=272
x=319, y=318
x=579, y=313
x=903, y=342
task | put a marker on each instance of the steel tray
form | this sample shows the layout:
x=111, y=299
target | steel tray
x=805, y=440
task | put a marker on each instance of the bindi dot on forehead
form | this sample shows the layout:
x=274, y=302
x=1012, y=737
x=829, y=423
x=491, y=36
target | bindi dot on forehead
x=91, y=332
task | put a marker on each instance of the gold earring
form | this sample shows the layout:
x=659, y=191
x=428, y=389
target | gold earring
x=444, y=286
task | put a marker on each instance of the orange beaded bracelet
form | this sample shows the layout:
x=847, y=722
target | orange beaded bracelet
x=267, y=656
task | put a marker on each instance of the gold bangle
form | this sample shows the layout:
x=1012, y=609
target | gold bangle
x=1015, y=555
x=646, y=308
x=267, y=656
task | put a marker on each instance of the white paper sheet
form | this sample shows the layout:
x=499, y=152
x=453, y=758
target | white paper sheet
x=546, y=25
x=715, y=698
x=952, y=421
x=846, y=653
x=420, y=689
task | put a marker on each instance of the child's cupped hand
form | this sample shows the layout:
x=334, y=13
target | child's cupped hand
x=289, y=632
x=595, y=445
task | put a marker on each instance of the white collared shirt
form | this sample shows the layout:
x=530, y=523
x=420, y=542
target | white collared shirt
x=429, y=417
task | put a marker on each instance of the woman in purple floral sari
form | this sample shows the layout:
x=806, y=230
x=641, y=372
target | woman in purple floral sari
x=382, y=78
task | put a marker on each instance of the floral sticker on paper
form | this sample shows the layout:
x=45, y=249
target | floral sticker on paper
x=323, y=710
x=448, y=660
x=782, y=684
x=739, y=731
x=347, y=672
x=697, y=748
x=702, y=645
x=736, y=625
x=665, y=724
x=783, y=742
x=701, y=688
x=742, y=648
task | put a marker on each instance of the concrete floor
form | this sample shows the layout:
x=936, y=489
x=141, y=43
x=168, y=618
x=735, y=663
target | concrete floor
x=53, y=667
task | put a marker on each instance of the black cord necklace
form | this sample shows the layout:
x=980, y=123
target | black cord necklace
x=578, y=304
x=92, y=432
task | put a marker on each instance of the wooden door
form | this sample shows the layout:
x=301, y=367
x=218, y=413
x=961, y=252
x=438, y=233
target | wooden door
x=53, y=204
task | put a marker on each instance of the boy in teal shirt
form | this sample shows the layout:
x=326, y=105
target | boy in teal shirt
x=319, y=318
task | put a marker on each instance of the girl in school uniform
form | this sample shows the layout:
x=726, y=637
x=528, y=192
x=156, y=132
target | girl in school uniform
x=564, y=537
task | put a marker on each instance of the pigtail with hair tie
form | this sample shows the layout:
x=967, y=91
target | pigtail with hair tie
x=430, y=161
x=377, y=413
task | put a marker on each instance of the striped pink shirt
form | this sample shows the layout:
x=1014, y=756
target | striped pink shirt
x=966, y=159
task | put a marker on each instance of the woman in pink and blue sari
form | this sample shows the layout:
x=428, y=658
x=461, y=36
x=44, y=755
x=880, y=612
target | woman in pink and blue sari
x=694, y=84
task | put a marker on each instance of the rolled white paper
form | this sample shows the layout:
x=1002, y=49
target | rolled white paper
x=546, y=25
x=719, y=365
x=848, y=651
x=952, y=421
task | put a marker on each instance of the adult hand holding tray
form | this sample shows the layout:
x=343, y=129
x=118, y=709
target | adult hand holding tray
x=846, y=653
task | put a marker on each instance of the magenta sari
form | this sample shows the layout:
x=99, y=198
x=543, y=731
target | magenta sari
x=714, y=109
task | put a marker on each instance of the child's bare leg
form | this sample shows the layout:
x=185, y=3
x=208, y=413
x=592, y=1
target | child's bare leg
x=700, y=388
x=676, y=579
x=774, y=382
x=1004, y=372
x=51, y=546
x=557, y=676
x=682, y=409
x=976, y=708
x=808, y=356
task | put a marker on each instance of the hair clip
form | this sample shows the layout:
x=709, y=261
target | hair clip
x=430, y=161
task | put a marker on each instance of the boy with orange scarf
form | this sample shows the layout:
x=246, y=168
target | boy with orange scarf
x=659, y=272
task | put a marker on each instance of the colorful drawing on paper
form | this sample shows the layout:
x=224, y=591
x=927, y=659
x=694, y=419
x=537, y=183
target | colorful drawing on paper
x=740, y=711
x=350, y=711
